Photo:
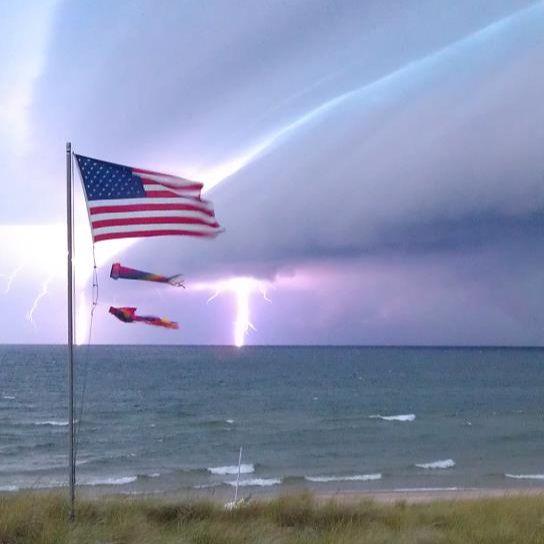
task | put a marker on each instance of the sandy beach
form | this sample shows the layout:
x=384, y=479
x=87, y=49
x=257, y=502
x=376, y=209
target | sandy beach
x=424, y=496
x=409, y=496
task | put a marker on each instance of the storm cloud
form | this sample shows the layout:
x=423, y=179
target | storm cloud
x=379, y=167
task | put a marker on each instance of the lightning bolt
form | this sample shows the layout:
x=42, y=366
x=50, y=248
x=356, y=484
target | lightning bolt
x=41, y=294
x=215, y=295
x=264, y=293
x=243, y=324
x=11, y=278
x=242, y=288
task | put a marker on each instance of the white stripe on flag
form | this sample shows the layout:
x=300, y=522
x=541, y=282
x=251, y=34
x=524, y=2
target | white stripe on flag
x=153, y=213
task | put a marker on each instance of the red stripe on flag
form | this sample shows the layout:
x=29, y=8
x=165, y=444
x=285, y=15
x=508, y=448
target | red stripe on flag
x=162, y=194
x=153, y=172
x=152, y=221
x=149, y=233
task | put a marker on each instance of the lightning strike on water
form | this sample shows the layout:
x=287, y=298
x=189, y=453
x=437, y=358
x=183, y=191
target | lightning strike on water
x=242, y=288
x=41, y=294
x=242, y=324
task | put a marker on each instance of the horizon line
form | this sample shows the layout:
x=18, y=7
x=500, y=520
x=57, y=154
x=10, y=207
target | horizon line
x=370, y=346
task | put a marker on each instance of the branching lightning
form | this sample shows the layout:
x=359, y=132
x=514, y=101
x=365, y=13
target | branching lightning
x=11, y=278
x=263, y=291
x=36, y=302
x=242, y=288
x=242, y=324
x=40, y=251
x=41, y=294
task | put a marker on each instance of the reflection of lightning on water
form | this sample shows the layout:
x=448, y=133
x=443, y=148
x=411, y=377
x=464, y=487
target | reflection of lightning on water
x=41, y=294
x=11, y=278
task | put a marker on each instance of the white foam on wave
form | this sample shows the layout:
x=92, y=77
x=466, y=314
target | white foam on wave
x=123, y=480
x=229, y=421
x=255, y=482
x=36, y=485
x=354, y=478
x=52, y=422
x=444, y=463
x=4, y=488
x=149, y=475
x=526, y=476
x=8, y=397
x=86, y=461
x=232, y=469
x=400, y=417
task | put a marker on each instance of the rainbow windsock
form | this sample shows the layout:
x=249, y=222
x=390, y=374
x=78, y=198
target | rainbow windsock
x=128, y=315
x=118, y=271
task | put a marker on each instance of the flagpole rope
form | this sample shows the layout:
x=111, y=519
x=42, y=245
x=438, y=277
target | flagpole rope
x=94, y=304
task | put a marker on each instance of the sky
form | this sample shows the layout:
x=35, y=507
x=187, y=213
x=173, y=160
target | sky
x=378, y=167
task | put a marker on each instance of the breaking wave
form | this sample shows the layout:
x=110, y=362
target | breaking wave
x=232, y=469
x=123, y=480
x=526, y=476
x=401, y=417
x=52, y=422
x=147, y=476
x=354, y=478
x=4, y=488
x=111, y=481
x=445, y=463
x=255, y=482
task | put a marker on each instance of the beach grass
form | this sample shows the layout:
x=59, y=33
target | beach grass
x=32, y=518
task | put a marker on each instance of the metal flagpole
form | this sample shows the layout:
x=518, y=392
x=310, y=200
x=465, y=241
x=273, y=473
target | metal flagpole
x=69, y=226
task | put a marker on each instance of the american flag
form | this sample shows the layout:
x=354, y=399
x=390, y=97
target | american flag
x=125, y=202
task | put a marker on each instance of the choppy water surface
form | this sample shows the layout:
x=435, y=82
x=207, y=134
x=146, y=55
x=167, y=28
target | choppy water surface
x=173, y=418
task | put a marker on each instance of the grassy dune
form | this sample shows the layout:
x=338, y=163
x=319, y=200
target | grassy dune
x=41, y=519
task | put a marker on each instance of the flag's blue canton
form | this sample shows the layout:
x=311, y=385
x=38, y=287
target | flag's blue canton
x=107, y=181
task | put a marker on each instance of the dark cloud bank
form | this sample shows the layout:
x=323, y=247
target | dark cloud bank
x=400, y=199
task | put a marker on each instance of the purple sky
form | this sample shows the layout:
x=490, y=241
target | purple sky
x=378, y=167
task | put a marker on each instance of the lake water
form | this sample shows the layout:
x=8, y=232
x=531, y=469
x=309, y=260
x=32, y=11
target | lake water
x=173, y=418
